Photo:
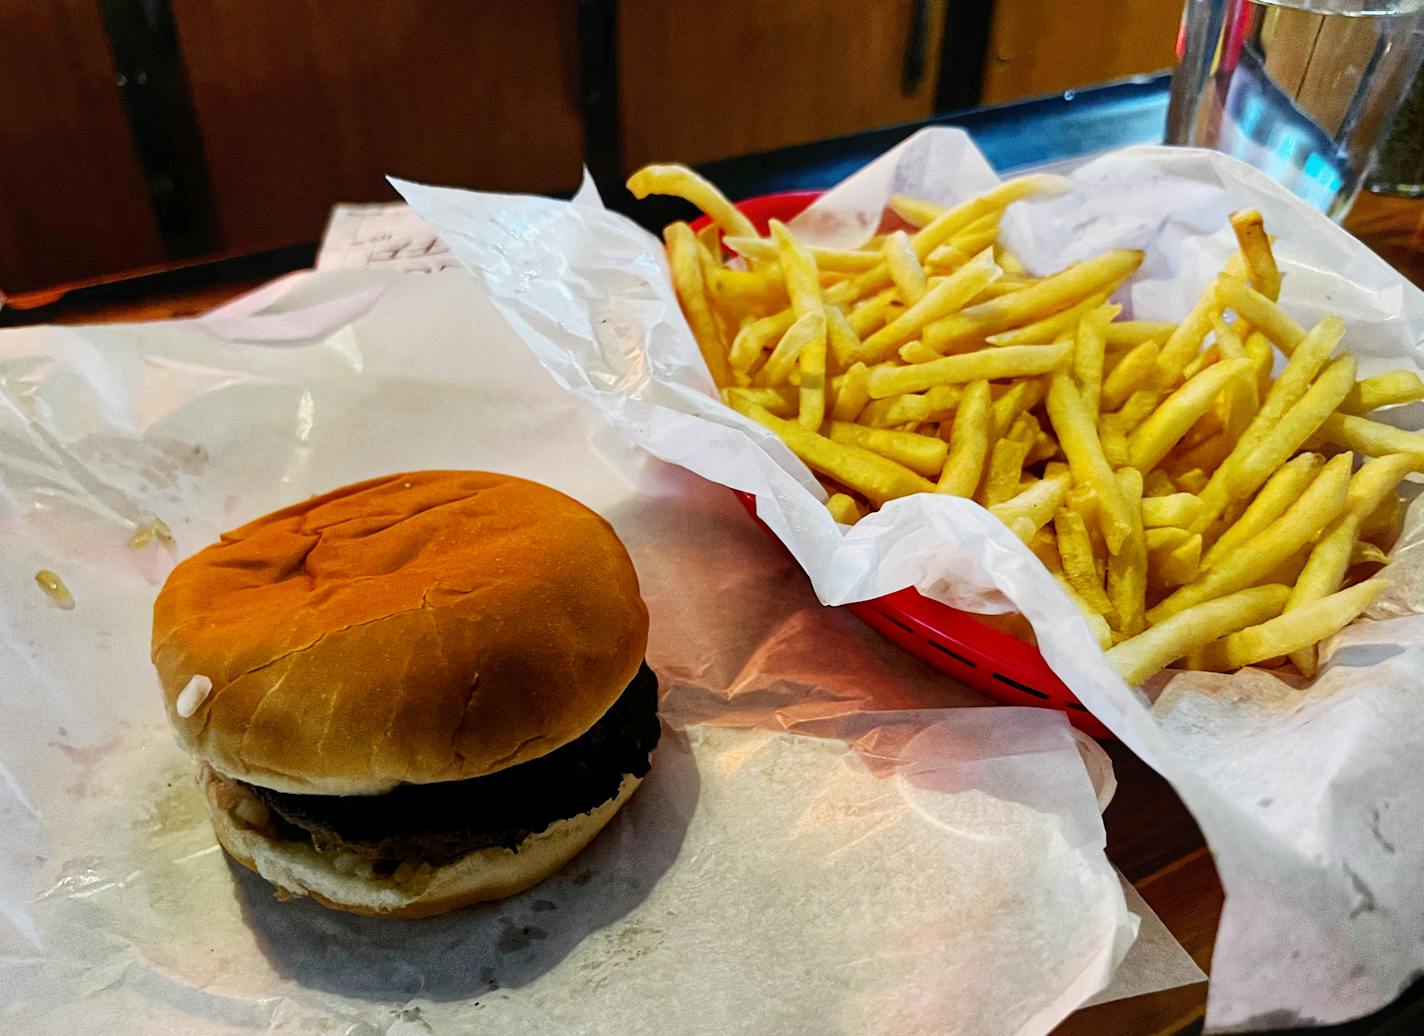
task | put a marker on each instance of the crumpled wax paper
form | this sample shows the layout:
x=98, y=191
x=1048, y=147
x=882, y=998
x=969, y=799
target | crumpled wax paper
x=840, y=852
x=1309, y=796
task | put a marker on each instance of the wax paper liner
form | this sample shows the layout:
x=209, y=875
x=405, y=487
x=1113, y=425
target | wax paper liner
x=1308, y=796
x=843, y=853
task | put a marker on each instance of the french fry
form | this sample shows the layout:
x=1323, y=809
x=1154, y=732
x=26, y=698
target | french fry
x=1045, y=447
x=968, y=443
x=1228, y=338
x=1129, y=333
x=1372, y=438
x=811, y=363
x=1136, y=371
x=937, y=404
x=687, y=280
x=1290, y=633
x=915, y=211
x=1078, y=435
x=861, y=285
x=1383, y=390
x=1260, y=312
x=1288, y=571
x=1240, y=403
x=803, y=285
x=1185, y=341
x=1075, y=548
x=1200, y=362
x=1011, y=263
x=1257, y=556
x=1256, y=250
x=835, y=260
x=807, y=330
x=1206, y=429
x=843, y=508
x=1384, y=525
x=1251, y=463
x=1366, y=553
x=1310, y=357
x=1138, y=408
x=917, y=352
x=1176, y=510
x=989, y=222
x=1088, y=350
x=945, y=259
x=875, y=312
x=1150, y=442
x=854, y=393
x=1102, y=632
x=922, y=454
x=1203, y=447
x=844, y=343
x=1158, y=483
x=1003, y=286
x=1083, y=499
x=1127, y=567
x=1019, y=398
x=972, y=241
x=1051, y=326
x=948, y=296
x=1150, y=652
x=1035, y=504
x=1023, y=529
x=1283, y=488
x=869, y=474
x=1329, y=559
x=1258, y=347
x=1014, y=361
x=906, y=273
x=1173, y=557
x=1114, y=443
x=678, y=181
x=1050, y=295
x=710, y=238
x=1006, y=460
x=756, y=337
x=1193, y=480
x=747, y=291
x=951, y=221
x=780, y=401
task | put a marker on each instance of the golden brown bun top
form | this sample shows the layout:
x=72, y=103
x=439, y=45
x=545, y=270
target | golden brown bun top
x=423, y=627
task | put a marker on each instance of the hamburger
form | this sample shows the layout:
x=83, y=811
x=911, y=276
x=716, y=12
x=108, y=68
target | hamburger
x=413, y=693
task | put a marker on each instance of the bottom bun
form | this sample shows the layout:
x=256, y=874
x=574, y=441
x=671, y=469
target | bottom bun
x=297, y=868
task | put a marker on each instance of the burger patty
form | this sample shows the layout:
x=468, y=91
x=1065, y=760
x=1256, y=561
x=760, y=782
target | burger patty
x=441, y=822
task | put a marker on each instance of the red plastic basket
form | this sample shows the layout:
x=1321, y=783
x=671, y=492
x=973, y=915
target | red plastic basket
x=956, y=642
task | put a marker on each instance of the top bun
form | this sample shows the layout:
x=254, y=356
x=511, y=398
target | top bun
x=424, y=627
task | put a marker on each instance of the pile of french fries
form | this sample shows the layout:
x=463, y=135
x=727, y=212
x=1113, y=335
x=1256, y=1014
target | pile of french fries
x=1201, y=509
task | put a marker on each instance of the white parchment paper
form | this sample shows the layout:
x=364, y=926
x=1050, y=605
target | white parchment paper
x=1309, y=797
x=845, y=852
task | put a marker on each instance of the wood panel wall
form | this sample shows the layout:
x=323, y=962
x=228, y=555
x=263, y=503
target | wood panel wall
x=73, y=200
x=1044, y=46
x=703, y=81
x=303, y=103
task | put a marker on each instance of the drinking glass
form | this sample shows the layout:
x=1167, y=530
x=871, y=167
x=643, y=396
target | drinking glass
x=1301, y=89
x=1399, y=158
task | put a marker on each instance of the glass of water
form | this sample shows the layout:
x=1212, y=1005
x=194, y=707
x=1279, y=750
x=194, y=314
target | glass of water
x=1301, y=89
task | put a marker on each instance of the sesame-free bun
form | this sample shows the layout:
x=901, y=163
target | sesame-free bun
x=477, y=877
x=430, y=626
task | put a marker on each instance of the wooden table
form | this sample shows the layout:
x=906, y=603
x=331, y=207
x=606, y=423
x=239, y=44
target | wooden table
x=1152, y=838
